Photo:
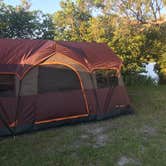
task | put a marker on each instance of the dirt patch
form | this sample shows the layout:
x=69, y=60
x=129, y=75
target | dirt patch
x=149, y=131
x=94, y=136
x=99, y=136
x=100, y=141
x=84, y=136
x=126, y=160
x=81, y=142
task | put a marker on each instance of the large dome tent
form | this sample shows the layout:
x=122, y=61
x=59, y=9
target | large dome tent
x=47, y=83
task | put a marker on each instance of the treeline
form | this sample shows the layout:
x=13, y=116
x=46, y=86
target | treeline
x=134, y=29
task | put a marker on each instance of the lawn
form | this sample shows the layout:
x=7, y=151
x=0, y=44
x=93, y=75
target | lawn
x=138, y=139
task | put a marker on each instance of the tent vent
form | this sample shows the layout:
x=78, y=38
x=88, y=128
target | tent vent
x=7, y=85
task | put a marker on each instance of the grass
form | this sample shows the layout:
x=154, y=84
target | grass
x=138, y=139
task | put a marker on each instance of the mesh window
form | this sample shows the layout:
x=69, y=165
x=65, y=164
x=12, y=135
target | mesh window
x=106, y=78
x=7, y=85
x=54, y=78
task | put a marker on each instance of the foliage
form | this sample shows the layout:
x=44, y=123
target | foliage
x=19, y=22
x=141, y=10
x=128, y=43
x=71, y=22
x=161, y=68
x=156, y=49
x=136, y=80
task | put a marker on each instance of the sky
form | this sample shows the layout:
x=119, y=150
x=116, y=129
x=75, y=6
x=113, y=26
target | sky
x=47, y=6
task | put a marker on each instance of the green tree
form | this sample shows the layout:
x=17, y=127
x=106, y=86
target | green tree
x=71, y=22
x=156, y=39
x=161, y=68
x=128, y=43
x=19, y=22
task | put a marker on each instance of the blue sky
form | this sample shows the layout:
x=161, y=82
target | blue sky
x=47, y=6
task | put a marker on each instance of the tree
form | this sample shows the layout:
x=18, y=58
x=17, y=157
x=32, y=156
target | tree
x=25, y=4
x=157, y=47
x=142, y=11
x=128, y=43
x=71, y=22
x=161, y=68
x=100, y=29
x=19, y=22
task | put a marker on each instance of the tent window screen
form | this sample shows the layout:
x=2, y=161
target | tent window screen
x=54, y=78
x=7, y=85
x=106, y=78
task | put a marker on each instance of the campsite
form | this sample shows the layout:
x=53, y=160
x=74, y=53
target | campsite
x=82, y=82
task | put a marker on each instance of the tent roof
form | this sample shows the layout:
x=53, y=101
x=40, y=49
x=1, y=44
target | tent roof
x=17, y=56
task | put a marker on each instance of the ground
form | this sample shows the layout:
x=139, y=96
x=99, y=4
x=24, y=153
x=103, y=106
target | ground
x=132, y=140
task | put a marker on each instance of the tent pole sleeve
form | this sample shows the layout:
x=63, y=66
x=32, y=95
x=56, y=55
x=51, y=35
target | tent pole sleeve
x=109, y=96
x=95, y=95
x=18, y=104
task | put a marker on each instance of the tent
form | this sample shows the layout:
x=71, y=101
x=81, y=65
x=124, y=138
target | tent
x=47, y=83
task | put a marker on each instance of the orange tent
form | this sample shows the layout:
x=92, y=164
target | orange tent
x=46, y=83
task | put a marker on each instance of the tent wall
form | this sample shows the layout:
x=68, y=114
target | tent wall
x=29, y=84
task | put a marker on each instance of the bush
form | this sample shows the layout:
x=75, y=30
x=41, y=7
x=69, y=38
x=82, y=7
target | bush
x=162, y=79
x=139, y=80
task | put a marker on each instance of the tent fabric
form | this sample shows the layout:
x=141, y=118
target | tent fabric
x=92, y=55
x=76, y=94
x=19, y=55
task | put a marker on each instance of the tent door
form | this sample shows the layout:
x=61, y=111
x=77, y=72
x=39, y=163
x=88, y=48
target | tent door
x=60, y=94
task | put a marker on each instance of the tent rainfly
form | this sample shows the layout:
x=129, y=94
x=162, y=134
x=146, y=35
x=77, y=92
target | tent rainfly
x=45, y=83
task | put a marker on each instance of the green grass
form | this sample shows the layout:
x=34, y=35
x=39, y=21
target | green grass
x=138, y=139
